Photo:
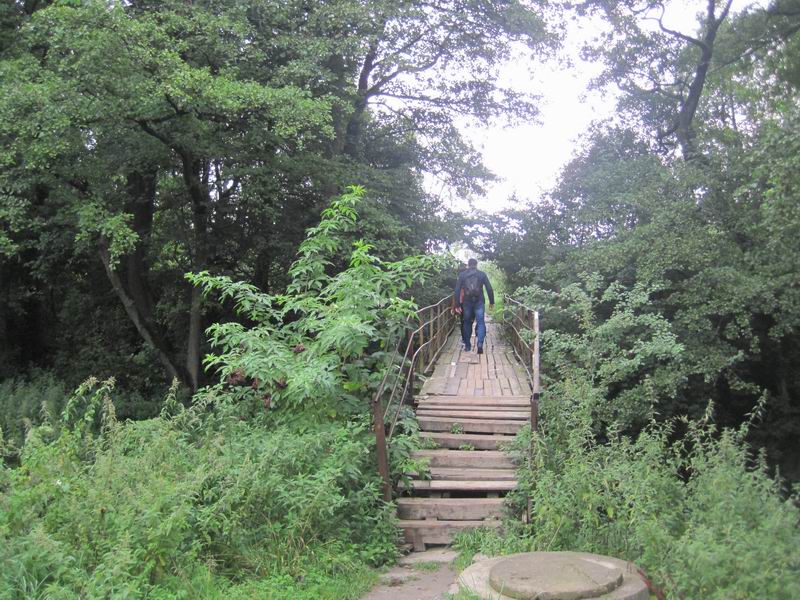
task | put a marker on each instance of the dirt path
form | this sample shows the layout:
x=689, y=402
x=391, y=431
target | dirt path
x=419, y=576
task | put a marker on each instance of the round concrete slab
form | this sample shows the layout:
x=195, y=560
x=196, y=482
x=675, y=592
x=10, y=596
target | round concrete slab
x=553, y=576
x=477, y=577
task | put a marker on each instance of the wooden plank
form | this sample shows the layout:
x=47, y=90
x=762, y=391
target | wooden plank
x=491, y=408
x=459, y=440
x=453, y=509
x=471, y=371
x=451, y=387
x=472, y=414
x=466, y=458
x=521, y=398
x=489, y=401
x=470, y=425
x=460, y=485
x=434, y=385
x=500, y=411
x=471, y=473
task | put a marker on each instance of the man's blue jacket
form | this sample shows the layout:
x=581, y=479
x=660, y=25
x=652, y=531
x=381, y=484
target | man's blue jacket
x=482, y=279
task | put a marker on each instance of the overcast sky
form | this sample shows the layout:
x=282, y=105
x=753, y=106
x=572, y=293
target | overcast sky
x=528, y=158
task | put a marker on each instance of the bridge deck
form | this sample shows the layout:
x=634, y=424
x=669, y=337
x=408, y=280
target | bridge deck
x=495, y=373
x=467, y=410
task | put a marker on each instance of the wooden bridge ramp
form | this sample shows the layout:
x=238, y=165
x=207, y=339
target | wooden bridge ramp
x=469, y=408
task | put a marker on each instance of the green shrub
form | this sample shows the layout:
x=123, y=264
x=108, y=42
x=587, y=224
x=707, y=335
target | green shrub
x=686, y=501
x=699, y=515
x=106, y=508
x=24, y=401
x=267, y=482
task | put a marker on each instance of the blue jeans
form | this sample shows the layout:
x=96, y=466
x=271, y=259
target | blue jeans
x=473, y=311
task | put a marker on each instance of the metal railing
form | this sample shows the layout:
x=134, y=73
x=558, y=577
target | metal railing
x=424, y=339
x=522, y=329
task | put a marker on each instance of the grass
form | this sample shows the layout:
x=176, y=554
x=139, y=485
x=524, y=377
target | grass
x=313, y=586
x=462, y=594
x=428, y=566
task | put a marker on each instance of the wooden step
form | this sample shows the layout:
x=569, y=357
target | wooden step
x=508, y=402
x=473, y=414
x=482, y=459
x=477, y=441
x=459, y=485
x=428, y=531
x=453, y=509
x=479, y=407
x=465, y=474
x=469, y=425
x=473, y=406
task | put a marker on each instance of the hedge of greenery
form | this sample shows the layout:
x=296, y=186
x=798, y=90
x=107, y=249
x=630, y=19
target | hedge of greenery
x=688, y=502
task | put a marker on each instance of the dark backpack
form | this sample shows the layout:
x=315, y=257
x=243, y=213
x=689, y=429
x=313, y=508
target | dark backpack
x=473, y=287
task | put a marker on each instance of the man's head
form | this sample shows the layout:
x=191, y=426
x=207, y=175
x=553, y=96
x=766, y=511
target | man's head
x=472, y=263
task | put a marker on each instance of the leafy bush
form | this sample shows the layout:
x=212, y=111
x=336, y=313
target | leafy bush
x=269, y=476
x=699, y=515
x=686, y=501
x=614, y=341
x=108, y=509
x=24, y=401
x=316, y=347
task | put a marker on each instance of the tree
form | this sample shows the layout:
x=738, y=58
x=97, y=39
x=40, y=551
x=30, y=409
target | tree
x=120, y=132
x=663, y=70
x=156, y=138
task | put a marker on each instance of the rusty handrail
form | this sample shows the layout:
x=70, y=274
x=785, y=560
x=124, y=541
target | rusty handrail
x=530, y=350
x=420, y=349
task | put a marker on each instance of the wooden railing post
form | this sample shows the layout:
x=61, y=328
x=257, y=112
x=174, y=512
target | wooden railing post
x=536, y=368
x=380, y=448
x=431, y=332
x=431, y=322
x=412, y=367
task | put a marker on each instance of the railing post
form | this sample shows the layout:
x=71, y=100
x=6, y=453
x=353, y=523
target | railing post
x=535, y=365
x=381, y=451
x=534, y=396
x=431, y=333
x=412, y=365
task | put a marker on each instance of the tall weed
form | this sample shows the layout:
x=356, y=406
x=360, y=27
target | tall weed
x=689, y=503
x=25, y=402
x=107, y=508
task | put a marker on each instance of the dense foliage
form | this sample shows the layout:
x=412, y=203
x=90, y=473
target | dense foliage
x=269, y=475
x=186, y=504
x=166, y=176
x=142, y=140
x=688, y=502
x=665, y=266
x=708, y=235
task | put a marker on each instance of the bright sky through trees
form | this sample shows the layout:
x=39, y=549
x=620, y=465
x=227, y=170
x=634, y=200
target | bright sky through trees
x=528, y=158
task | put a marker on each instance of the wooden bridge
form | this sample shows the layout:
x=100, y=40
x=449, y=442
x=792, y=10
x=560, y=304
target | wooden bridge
x=469, y=408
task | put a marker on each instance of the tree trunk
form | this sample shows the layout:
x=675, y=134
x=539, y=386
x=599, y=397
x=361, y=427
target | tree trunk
x=356, y=122
x=145, y=327
x=193, y=343
x=195, y=175
x=131, y=285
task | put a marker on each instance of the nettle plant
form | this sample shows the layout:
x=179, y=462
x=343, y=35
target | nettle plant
x=613, y=343
x=313, y=348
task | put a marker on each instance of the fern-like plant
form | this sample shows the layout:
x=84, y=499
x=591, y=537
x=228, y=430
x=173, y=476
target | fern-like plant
x=314, y=346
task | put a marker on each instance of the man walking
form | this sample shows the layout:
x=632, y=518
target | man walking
x=472, y=303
